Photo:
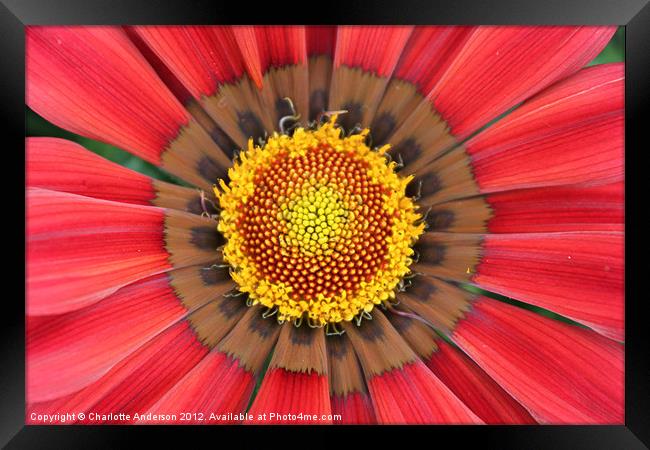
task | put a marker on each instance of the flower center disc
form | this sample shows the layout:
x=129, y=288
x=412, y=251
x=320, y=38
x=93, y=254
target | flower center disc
x=317, y=225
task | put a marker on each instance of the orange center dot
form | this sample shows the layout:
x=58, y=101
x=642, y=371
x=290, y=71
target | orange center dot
x=316, y=223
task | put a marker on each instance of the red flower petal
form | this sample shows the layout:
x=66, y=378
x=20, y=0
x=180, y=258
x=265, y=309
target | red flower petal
x=281, y=46
x=348, y=392
x=579, y=275
x=364, y=59
x=563, y=208
x=569, y=133
x=217, y=385
x=428, y=53
x=502, y=66
x=354, y=408
x=296, y=381
x=401, y=387
x=69, y=351
x=64, y=166
x=371, y=48
x=173, y=46
x=137, y=382
x=321, y=40
x=283, y=59
x=145, y=385
x=247, y=42
x=413, y=394
x=80, y=249
x=61, y=165
x=559, y=372
x=203, y=58
x=591, y=92
x=93, y=81
x=167, y=76
x=475, y=388
x=284, y=393
x=405, y=118
x=537, y=210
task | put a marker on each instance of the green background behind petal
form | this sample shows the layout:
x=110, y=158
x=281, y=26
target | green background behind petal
x=615, y=50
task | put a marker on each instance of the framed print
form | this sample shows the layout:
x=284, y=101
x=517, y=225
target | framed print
x=401, y=219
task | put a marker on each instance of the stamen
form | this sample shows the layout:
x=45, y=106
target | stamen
x=311, y=323
x=424, y=218
x=217, y=266
x=355, y=130
x=331, y=329
x=364, y=315
x=418, y=194
x=270, y=312
x=293, y=117
x=204, y=207
x=400, y=162
x=234, y=292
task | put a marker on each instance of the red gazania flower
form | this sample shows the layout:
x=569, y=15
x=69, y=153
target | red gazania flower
x=343, y=190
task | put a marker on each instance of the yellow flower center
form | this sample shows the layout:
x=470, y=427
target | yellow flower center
x=318, y=226
x=314, y=220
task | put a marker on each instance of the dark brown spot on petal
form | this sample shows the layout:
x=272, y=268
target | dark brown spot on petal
x=430, y=253
x=250, y=125
x=382, y=128
x=302, y=335
x=400, y=323
x=337, y=346
x=282, y=108
x=263, y=327
x=195, y=207
x=317, y=103
x=440, y=220
x=214, y=276
x=206, y=238
x=430, y=184
x=425, y=185
x=210, y=170
x=370, y=330
x=232, y=306
x=408, y=149
x=422, y=289
x=352, y=117
x=223, y=141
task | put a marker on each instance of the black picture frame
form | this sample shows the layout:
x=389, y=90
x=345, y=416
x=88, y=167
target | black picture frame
x=633, y=14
